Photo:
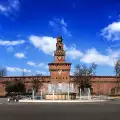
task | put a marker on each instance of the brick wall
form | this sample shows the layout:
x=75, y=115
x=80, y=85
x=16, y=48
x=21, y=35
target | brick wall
x=2, y=90
x=100, y=84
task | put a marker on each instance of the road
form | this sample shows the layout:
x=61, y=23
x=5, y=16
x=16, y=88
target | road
x=60, y=111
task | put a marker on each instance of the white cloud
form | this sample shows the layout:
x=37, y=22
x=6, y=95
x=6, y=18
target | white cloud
x=11, y=43
x=42, y=72
x=41, y=65
x=31, y=63
x=60, y=25
x=27, y=47
x=115, y=45
x=112, y=31
x=92, y=55
x=16, y=69
x=63, y=22
x=71, y=73
x=44, y=43
x=2, y=8
x=114, y=54
x=65, y=30
x=20, y=55
x=73, y=53
x=15, y=4
x=10, y=8
x=72, y=69
x=10, y=49
x=52, y=23
x=26, y=70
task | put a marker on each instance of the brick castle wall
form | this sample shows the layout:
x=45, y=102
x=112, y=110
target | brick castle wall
x=100, y=84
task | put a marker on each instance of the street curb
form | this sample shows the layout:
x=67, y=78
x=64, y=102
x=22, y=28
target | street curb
x=60, y=101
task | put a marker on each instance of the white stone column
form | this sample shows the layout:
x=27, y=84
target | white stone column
x=62, y=87
x=72, y=88
x=80, y=93
x=33, y=94
x=53, y=91
x=41, y=93
x=88, y=93
x=68, y=91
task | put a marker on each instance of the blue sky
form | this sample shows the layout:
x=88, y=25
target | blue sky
x=28, y=31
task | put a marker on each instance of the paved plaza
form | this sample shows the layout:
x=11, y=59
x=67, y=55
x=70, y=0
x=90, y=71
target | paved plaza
x=60, y=111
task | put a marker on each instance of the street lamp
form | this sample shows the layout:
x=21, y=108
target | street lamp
x=68, y=87
x=33, y=93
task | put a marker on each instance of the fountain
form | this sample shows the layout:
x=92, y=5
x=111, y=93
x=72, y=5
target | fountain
x=89, y=95
x=60, y=91
x=86, y=94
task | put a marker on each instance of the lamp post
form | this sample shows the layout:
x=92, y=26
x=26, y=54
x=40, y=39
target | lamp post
x=41, y=93
x=80, y=93
x=89, y=94
x=53, y=91
x=68, y=88
x=33, y=94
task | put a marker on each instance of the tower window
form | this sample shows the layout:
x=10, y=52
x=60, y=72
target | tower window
x=66, y=77
x=56, y=77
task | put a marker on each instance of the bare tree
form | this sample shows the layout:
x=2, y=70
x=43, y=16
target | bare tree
x=37, y=82
x=117, y=71
x=83, y=75
x=116, y=90
x=3, y=72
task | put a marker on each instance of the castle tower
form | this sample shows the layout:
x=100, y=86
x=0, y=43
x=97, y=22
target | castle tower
x=59, y=69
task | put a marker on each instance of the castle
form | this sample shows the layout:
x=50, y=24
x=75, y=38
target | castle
x=60, y=77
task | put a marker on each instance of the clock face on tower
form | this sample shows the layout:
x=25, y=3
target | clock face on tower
x=59, y=57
